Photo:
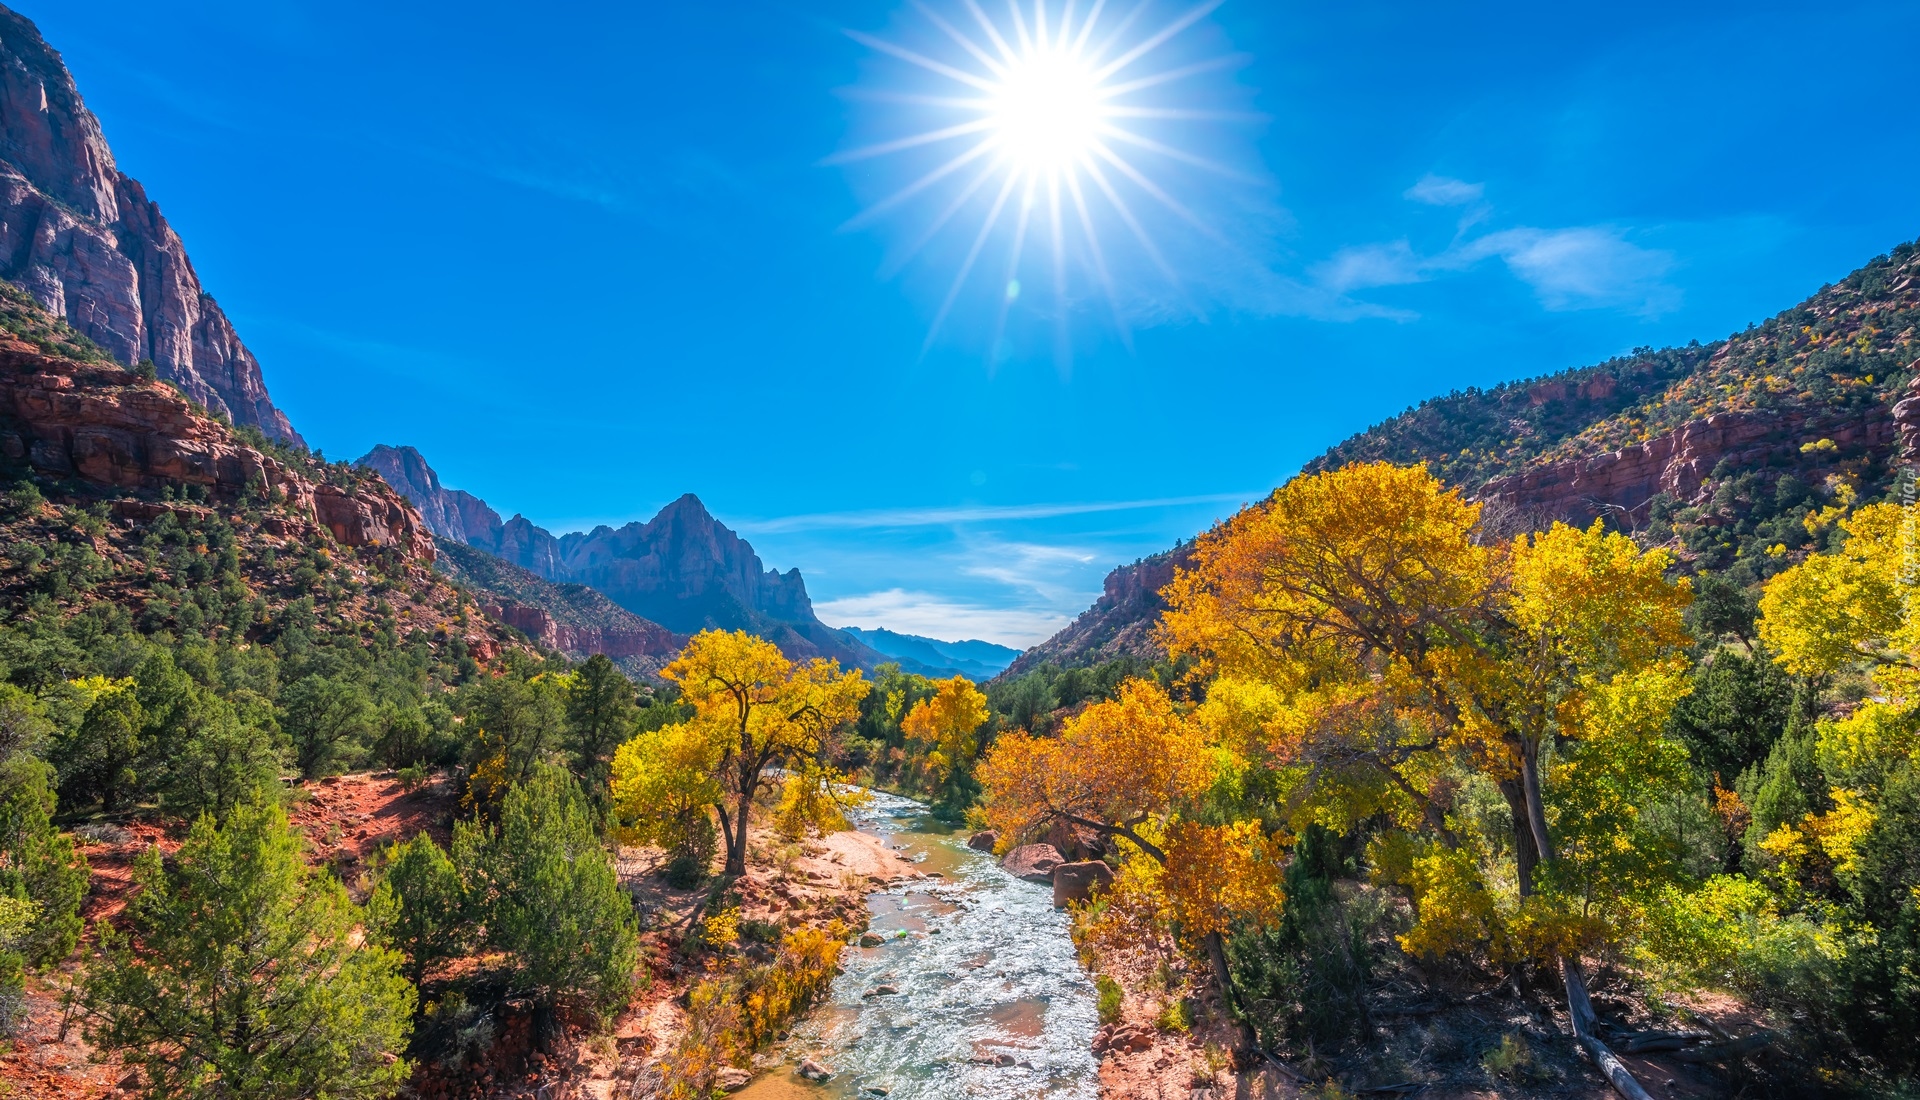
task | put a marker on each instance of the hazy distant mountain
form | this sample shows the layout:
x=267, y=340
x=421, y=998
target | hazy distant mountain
x=683, y=569
x=974, y=659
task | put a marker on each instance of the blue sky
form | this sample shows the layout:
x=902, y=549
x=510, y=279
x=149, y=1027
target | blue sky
x=590, y=256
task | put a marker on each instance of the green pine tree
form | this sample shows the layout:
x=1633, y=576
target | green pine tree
x=418, y=908
x=545, y=889
x=239, y=975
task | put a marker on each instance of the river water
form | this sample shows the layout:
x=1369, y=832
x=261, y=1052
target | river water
x=991, y=1001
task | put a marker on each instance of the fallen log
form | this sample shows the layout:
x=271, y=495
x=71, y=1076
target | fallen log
x=1726, y=1052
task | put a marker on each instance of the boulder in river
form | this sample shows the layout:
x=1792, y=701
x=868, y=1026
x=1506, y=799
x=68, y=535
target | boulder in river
x=732, y=1079
x=871, y=939
x=814, y=1071
x=1033, y=862
x=1075, y=881
x=984, y=840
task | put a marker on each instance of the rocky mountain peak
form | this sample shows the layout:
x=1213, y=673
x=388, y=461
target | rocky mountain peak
x=88, y=244
x=682, y=569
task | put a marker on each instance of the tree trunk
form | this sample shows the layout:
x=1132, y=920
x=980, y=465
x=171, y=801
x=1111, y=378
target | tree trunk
x=1526, y=854
x=737, y=840
x=1247, y=1046
x=1579, y=1004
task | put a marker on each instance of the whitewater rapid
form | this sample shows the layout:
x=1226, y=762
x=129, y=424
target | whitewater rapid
x=989, y=1000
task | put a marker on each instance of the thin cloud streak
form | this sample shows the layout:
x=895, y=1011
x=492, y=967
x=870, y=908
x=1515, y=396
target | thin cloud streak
x=942, y=517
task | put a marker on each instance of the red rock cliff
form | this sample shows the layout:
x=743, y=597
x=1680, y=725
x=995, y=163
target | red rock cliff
x=85, y=241
x=109, y=428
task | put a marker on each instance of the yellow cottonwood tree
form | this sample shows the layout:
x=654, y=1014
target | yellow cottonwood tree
x=1126, y=768
x=753, y=710
x=947, y=722
x=1395, y=634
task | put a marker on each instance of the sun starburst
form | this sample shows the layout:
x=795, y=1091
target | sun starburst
x=1050, y=121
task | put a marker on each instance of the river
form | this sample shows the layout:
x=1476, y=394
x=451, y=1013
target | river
x=990, y=1000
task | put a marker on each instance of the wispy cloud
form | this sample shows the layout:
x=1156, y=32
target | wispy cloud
x=1583, y=268
x=1577, y=267
x=948, y=516
x=935, y=616
x=1051, y=574
x=1444, y=191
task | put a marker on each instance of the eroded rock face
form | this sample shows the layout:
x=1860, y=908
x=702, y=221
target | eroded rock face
x=649, y=640
x=449, y=513
x=110, y=428
x=85, y=241
x=1620, y=483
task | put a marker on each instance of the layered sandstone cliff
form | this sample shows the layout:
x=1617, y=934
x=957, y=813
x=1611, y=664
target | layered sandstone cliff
x=118, y=433
x=88, y=244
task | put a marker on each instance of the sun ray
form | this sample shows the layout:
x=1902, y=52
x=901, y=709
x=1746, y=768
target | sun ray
x=965, y=43
x=1133, y=224
x=1020, y=27
x=1099, y=260
x=1141, y=181
x=993, y=32
x=923, y=61
x=1227, y=61
x=1086, y=28
x=1172, y=153
x=1011, y=284
x=1119, y=30
x=1155, y=41
x=1185, y=113
x=914, y=99
x=1063, y=346
x=940, y=220
x=966, y=266
x=986, y=146
x=958, y=129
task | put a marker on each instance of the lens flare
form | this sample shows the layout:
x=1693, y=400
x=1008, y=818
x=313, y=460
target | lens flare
x=1053, y=109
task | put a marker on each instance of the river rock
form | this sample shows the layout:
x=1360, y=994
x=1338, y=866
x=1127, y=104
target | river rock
x=871, y=939
x=814, y=1071
x=984, y=840
x=732, y=1079
x=1075, y=881
x=1033, y=862
x=1116, y=1038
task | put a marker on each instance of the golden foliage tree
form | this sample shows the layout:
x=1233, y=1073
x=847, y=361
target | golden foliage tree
x=753, y=710
x=1381, y=634
x=947, y=723
x=1126, y=768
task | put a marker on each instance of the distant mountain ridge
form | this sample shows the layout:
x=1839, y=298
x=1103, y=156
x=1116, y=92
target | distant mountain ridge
x=87, y=243
x=1687, y=445
x=683, y=569
x=974, y=659
x=572, y=618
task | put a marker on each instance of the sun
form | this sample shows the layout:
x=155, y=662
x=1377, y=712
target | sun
x=1047, y=111
x=1064, y=132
